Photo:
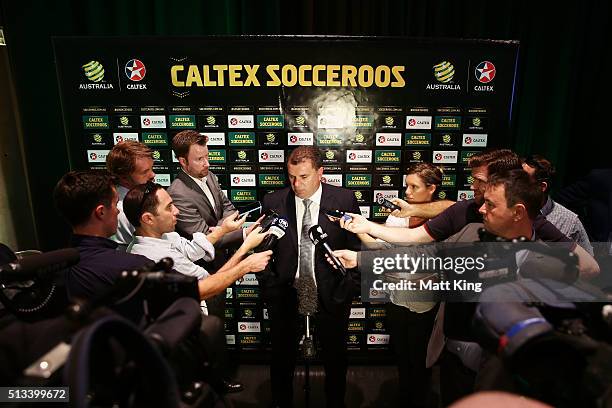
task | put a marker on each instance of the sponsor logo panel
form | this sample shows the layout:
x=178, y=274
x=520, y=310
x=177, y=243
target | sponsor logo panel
x=418, y=122
x=300, y=139
x=445, y=156
x=240, y=122
x=122, y=137
x=474, y=140
x=417, y=140
x=95, y=122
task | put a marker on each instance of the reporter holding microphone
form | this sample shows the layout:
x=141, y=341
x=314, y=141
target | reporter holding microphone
x=296, y=261
x=411, y=322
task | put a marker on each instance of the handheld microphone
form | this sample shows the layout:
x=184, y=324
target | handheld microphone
x=277, y=230
x=319, y=237
x=388, y=204
x=270, y=218
x=38, y=266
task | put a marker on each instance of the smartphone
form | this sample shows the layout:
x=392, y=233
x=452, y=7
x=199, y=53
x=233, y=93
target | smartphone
x=336, y=215
x=388, y=204
x=249, y=208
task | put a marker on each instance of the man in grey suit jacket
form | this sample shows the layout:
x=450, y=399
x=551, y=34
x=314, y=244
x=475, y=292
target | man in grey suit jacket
x=203, y=206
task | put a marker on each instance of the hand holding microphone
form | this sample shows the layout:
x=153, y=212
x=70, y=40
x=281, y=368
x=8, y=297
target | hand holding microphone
x=357, y=224
x=319, y=238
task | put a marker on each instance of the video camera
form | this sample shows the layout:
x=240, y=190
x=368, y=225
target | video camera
x=98, y=353
x=556, y=352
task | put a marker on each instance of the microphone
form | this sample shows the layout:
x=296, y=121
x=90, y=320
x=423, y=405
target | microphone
x=277, y=230
x=38, y=266
x=319, y=238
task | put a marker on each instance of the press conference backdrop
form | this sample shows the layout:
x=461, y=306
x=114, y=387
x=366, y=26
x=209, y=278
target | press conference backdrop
x=373, y=106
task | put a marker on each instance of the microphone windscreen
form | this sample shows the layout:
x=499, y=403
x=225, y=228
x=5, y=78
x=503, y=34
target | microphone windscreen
x=307, y=295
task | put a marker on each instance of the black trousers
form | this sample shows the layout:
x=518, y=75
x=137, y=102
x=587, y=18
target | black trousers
x=410, y=333
x=331, y=328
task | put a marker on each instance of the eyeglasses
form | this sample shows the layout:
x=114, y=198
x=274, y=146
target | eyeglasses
x=150, y=187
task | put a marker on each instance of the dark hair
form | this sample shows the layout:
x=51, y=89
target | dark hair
x=121, y=160
x=544, y=170
x=182, y=141
x=496, y=160
x=519, y=188
x=139, y=200
x=430, y=174
x=78, y=193
x=304, y=153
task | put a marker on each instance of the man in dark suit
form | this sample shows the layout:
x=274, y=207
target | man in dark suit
x=304, y=205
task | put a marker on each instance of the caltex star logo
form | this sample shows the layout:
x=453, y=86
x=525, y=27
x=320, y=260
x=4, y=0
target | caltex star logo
x=119, y=139
x=439, y=156
x=412, y=122
x=264, y=156
x=485, y=72
x=234, y=121
x=135, y=70
x=236, y=180
x=381, y=139
x=468, y=140
x=352, y=156
x=146, y=121
x=293, y=138
x=93, y=156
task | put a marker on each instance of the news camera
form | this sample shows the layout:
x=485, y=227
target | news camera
x=103, y=357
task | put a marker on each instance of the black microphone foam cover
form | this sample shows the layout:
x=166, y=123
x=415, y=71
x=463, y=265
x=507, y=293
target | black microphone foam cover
x=307, y=295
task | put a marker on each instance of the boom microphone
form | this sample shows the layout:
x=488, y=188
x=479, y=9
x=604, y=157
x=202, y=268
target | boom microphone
x=277, y=230
x=37, y=266
x=319, y=238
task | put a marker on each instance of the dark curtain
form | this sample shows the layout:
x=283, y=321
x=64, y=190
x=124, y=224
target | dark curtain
x=560, y=101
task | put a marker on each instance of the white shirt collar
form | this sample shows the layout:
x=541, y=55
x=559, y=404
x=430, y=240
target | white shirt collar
x=197, y=180
x=315, y=198
x=139, y=239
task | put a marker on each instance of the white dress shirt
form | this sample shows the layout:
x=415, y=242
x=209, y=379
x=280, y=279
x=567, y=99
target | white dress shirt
x=125, y=230
x=314, y=208
x=182, y=251
x=202, y=183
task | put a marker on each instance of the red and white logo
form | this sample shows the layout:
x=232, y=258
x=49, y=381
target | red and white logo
x=146, y=121
x=467, y=140
x=93, y=156
x=119, y=139
x=135, y=70
x=412, y=122
x=233, y=121
x=352, y=156
x=485, y=72
x=236, y=180
x=293, y=138
x=381, y=139
x=439, y=156
x=264, y=156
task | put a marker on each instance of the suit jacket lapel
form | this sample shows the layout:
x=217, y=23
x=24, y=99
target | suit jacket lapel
x=214, y=191
x=184, y=177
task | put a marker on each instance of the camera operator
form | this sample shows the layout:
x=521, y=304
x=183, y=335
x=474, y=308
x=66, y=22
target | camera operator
x=151, y=210
x=88, y=201
x=511, y=204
